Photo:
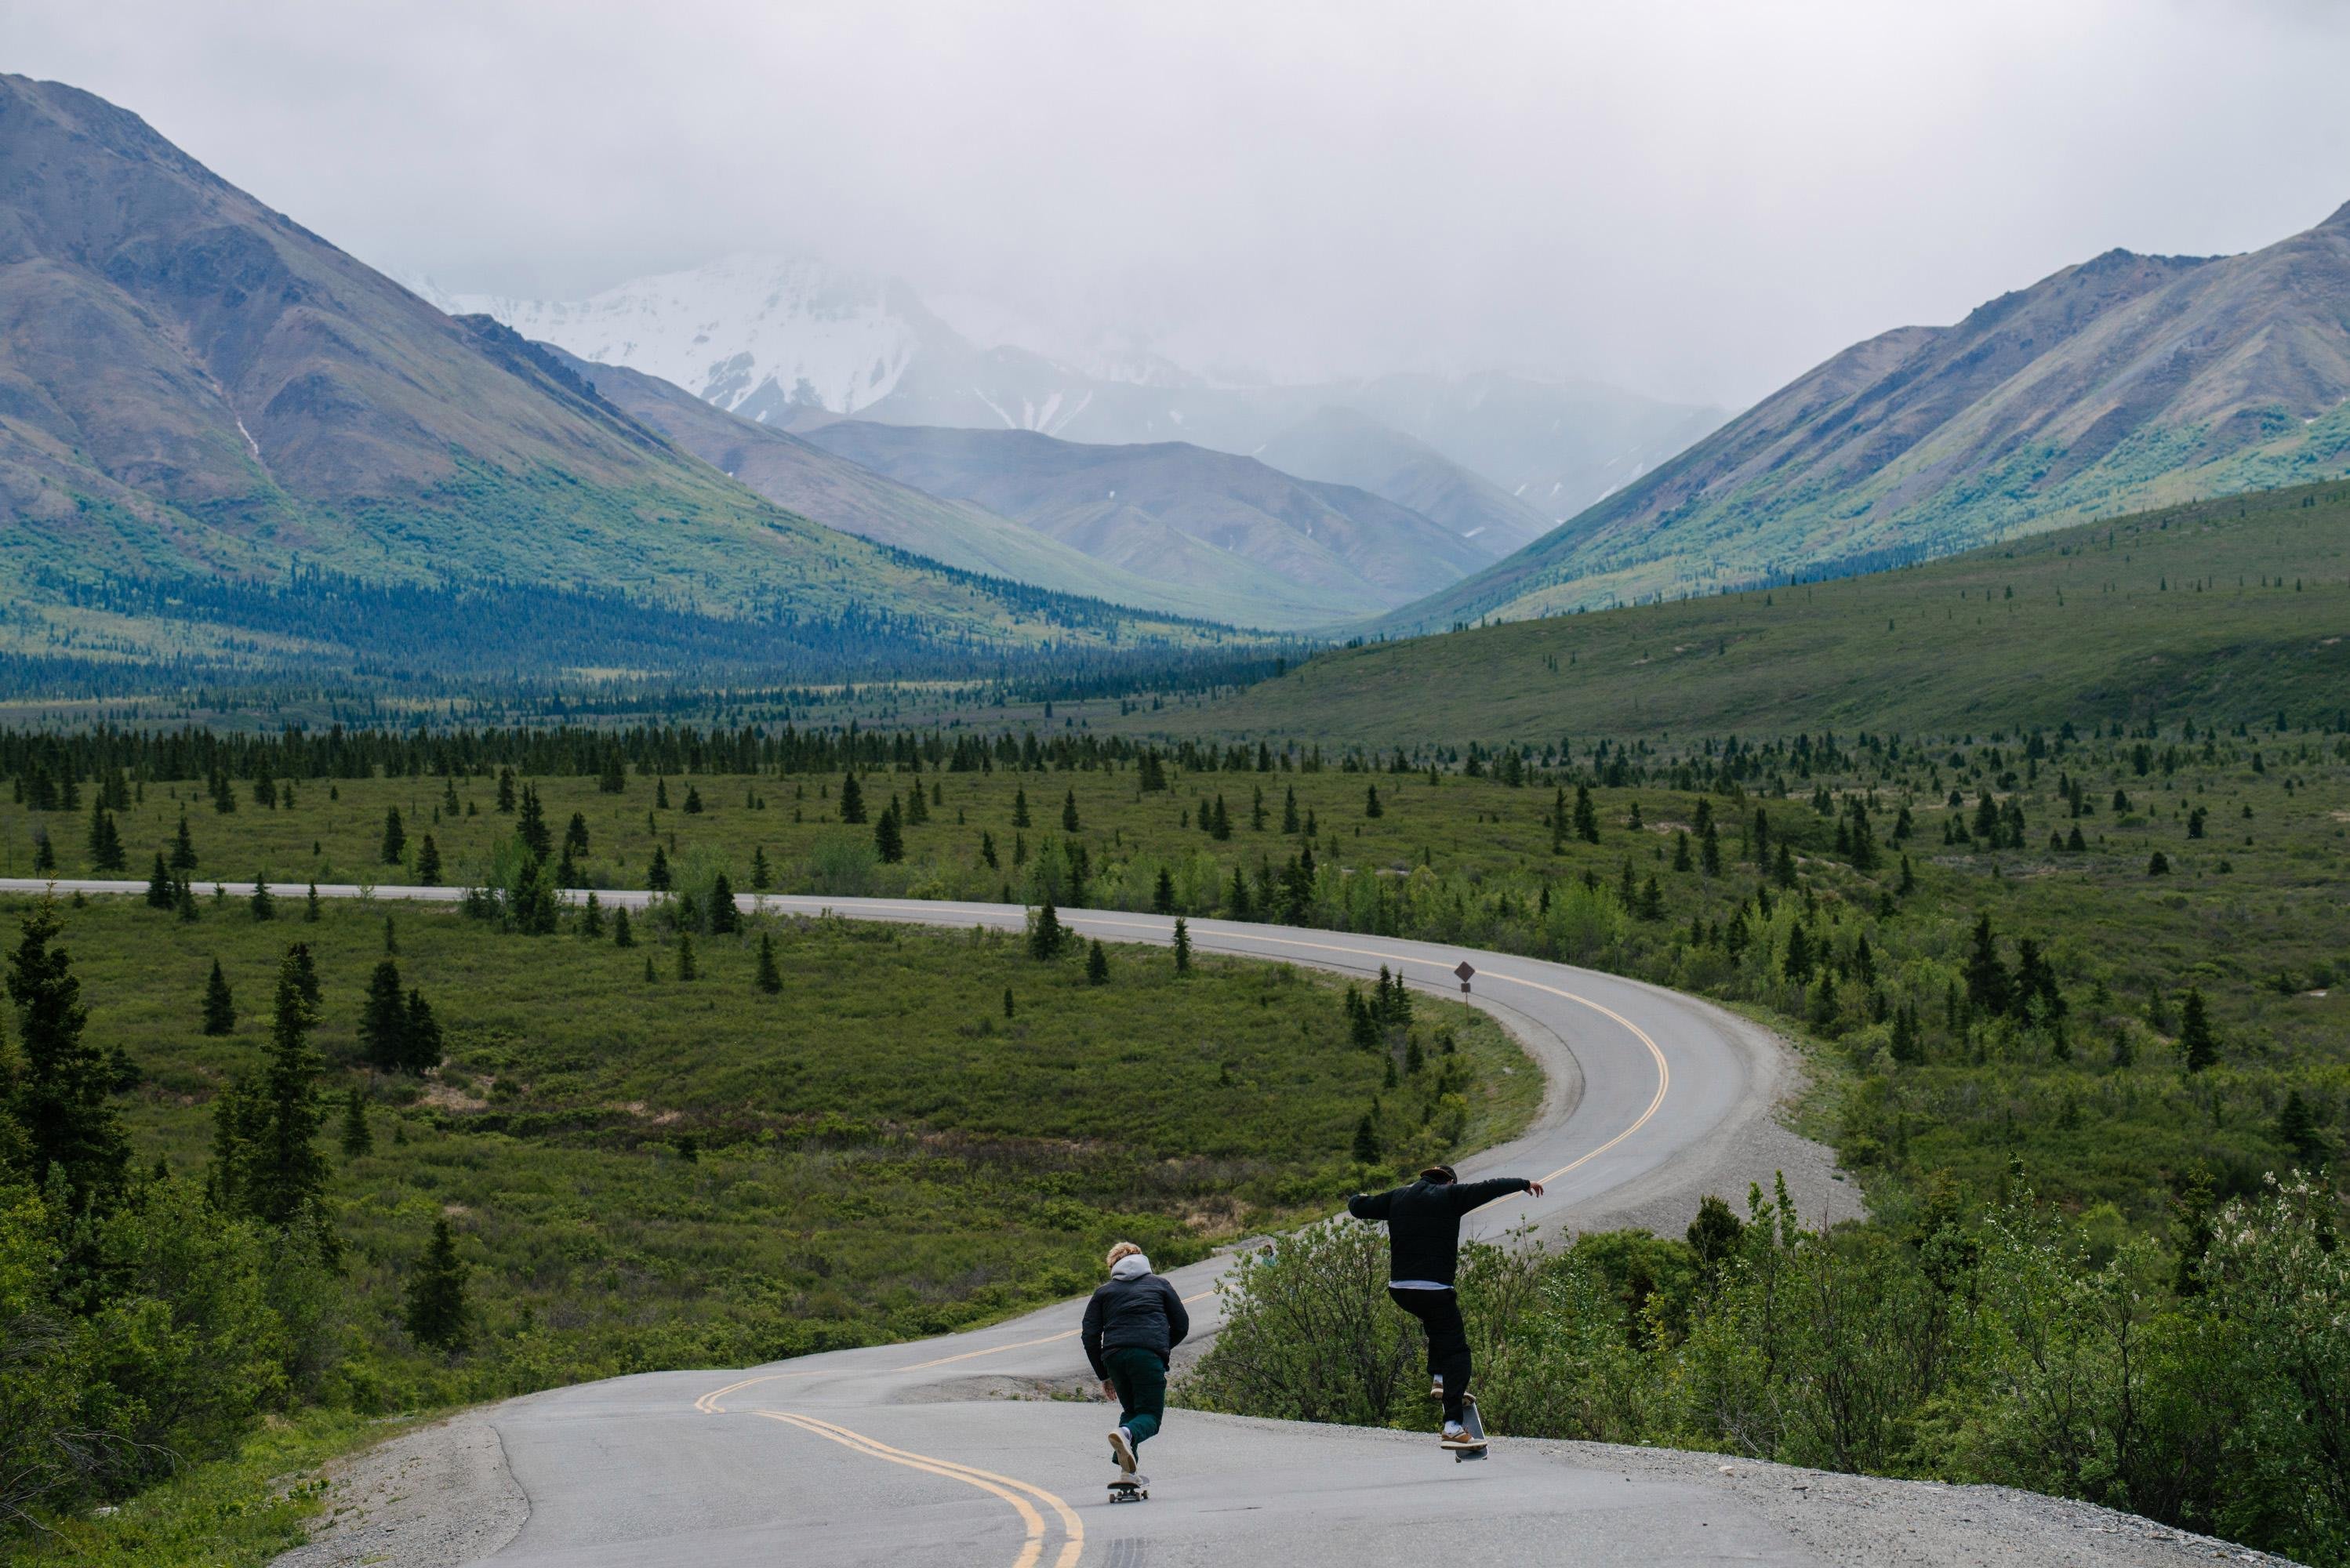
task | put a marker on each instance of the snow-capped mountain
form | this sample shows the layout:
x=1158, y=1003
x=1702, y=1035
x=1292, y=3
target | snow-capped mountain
x=797, y=344
x=768, y=338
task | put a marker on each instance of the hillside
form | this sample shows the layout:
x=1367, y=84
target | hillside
x=1277, y=551
x=1341, y=446
x=195, y=388
x=2123, y=382
x=802, y=477
x=2225, y=610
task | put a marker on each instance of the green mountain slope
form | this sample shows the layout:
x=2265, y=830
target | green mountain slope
x=1276, y=550
x=192, y=386
x=802, y=477
x=2225, y=610
x=2124, y=382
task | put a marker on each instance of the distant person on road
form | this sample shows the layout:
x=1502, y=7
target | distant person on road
x=1423, y=1255
x=1133, y=1323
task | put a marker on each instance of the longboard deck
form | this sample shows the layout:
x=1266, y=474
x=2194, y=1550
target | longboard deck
x=1130, y=1490
x=1475, y=1422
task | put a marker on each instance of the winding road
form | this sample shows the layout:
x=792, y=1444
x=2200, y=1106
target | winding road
x=898, y=1454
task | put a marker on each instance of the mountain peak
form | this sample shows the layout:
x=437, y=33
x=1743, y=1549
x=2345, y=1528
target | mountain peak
x=2339, y=223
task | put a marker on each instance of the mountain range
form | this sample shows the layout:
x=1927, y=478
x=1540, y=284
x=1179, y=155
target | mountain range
x=796, y=343
x=2122, y=382
x=195, y=392
x=194, y=388
x=1287, y=552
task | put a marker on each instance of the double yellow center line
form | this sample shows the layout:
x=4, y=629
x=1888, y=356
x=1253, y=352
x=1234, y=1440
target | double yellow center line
x=1025, y=1497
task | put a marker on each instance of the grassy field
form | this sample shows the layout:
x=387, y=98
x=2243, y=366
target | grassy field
x=2249, y=913
x=2221, y=609
x=919, y=1130
x=650, y=1172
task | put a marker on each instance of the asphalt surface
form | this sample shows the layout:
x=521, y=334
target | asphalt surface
x=888, y=1455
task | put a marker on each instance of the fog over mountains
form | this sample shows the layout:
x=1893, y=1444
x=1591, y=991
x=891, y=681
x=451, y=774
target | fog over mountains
x=795, y=343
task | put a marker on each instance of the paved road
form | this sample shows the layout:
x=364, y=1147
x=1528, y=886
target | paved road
x=883, y=1455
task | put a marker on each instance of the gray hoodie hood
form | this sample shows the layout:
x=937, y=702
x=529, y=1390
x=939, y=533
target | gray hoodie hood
x=1133, y=1266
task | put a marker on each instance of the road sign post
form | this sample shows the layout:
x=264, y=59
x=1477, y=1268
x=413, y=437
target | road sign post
x=1464, y=971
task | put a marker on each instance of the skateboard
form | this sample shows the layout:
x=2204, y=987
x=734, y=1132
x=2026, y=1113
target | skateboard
x=1130, y=1487
x=1471, y=1419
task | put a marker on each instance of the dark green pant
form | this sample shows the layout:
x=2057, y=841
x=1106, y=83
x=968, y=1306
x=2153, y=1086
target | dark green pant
x=1140, y=1380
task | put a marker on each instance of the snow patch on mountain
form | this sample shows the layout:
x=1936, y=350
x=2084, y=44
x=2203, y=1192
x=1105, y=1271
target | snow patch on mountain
x=758, y=335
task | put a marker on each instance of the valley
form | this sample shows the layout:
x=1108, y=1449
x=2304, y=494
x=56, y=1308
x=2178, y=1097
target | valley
x=692, y=704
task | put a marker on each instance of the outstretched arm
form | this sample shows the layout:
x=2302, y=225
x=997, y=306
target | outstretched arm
x=1468, y=1195
x=1371, y=1205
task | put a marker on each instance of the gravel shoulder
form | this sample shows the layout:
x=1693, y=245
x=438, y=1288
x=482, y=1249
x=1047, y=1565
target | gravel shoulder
x=1865, y=1522
x=434, y=1497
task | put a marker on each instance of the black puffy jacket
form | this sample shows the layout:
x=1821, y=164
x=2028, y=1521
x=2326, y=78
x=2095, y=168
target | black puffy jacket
x=1424, y=1222
x=1140, y=1314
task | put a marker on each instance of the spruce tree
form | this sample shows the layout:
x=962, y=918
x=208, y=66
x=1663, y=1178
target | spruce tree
x=420, y=1039
x=2196, y=1042
x=693, y=801
x=1371, y=807
x=771, y=978
x=45, y=853
x=1097, y=964
x=685, y=966
x=506, y=790
x=1020, y=808
x=220, y=1007
x=395, y=837
x=1069, y=812
x=1586, y=818
x=725, y=918
x=531, y=826
x=436, y=1312
x=383, y=1021
x=622, y=937
x=312, y=911
x=656, y=875
x=889, y=843
x=428, y=864
x=358, y=1137
x=852, y=799
x=1366, y=1141
x=661, y=794
x=105, y=840
x=264, y=903
x=1045, y=932
x=1989, y=986
x=591, y=918
x=1162, y=893
x=158, y=885
x=759, y=874
x=2298, y=1130
x=59, y=1097
x=285, y=1180
x=183, y=849
x=1182, y=946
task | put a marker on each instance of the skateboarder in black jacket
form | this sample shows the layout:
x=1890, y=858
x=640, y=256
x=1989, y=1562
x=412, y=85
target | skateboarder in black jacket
x=1132, y=1325
x=1424, y=1254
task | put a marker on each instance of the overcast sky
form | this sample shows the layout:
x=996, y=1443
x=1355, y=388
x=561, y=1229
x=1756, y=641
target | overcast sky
x=1696, y=201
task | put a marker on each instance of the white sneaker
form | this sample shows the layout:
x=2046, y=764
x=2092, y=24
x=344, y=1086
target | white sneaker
x=1121, y=1448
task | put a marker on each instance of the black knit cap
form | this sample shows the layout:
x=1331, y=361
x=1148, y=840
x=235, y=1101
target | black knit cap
x=1439, y=1173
